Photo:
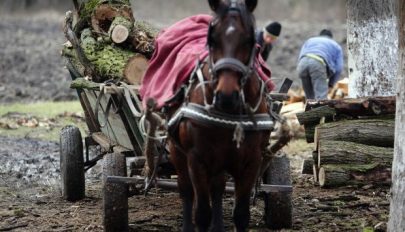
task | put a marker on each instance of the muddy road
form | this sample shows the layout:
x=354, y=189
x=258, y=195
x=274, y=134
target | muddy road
x=30, y=199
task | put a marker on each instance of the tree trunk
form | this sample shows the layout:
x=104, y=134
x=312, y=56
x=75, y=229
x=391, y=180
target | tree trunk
x=372, y=43
x=376, y=132
x=341, y=175
x=339, y=152
x=397, y=208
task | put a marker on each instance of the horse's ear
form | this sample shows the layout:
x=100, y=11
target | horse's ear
x=214, y=4
x=251, y=5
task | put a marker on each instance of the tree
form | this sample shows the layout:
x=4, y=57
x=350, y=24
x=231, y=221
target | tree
x=397, y=206
x=372, y=43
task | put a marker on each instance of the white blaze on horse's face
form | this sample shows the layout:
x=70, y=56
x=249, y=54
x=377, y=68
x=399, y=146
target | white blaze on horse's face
x=231, y=29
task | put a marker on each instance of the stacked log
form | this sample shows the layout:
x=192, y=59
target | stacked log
x=107, y=43
x=353, y=140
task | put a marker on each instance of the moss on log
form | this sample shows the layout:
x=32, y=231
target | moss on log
x=82, y=83
x=87, y=7
x=112, y=62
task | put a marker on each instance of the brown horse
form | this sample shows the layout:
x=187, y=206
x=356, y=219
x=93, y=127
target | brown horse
x=224, y=124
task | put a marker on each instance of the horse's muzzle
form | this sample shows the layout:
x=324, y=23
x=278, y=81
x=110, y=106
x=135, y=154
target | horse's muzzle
x=226, y=102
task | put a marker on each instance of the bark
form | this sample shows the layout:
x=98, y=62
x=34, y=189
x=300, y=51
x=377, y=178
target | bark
x=340, y=152
x=397, y=207
x=372, y=43
x=377, y=132
x=343, y=175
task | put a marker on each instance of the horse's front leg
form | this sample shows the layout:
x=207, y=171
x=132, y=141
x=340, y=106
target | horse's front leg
x=199, y=178
x=245, y=179
x=184, y=186
x=217, y=191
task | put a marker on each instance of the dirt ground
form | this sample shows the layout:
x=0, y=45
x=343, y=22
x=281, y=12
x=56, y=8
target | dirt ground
x=30, y=193
x=30, y=198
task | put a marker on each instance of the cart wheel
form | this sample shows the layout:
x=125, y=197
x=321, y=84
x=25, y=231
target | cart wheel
x=115, y=195
x=72, y=163
x=278, y=206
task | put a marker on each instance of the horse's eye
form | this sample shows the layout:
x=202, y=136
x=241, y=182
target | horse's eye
x=213, y=40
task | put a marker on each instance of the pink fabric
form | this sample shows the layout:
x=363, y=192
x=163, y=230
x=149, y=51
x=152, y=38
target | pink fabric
x=176, y=51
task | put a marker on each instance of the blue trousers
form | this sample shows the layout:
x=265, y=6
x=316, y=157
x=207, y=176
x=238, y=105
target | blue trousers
x=314, y=77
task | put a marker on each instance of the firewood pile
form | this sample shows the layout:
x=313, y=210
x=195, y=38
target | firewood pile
x=106, y=43
x=353, y=140
x=296, y=104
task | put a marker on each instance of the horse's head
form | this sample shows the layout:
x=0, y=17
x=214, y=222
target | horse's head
x=231, y=43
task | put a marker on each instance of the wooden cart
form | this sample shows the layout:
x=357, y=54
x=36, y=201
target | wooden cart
x=112, y=114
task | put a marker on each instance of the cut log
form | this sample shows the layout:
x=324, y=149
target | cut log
x=307, y=165
x=341, y=152
x=376, y=132
x=314, y=116
x=103, y=15
x=135, y=69
x=311, y=119
x=354, y=107
x=341, y=175
x=120, y=29
x=112, y=62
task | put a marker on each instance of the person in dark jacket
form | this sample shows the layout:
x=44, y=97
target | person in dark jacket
x=266, y=37
x=320, y=64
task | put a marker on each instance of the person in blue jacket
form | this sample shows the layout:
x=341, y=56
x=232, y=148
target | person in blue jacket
x=320, y=64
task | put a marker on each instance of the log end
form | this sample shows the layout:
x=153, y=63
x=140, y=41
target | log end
x=119, y=34
x=135, y=69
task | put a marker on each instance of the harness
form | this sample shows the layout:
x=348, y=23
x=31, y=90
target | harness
x=247, y=119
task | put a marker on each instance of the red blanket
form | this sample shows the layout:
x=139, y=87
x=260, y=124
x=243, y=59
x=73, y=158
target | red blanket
x=176, y=51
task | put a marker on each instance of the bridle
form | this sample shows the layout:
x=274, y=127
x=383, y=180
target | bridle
x=206, y=114
x=228, y=62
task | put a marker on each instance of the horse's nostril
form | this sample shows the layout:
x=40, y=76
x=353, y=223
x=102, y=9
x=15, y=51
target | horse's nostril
x=227, y=101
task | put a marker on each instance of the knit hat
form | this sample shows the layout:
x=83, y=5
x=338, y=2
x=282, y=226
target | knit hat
x=273, y=28
x=326, y=32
